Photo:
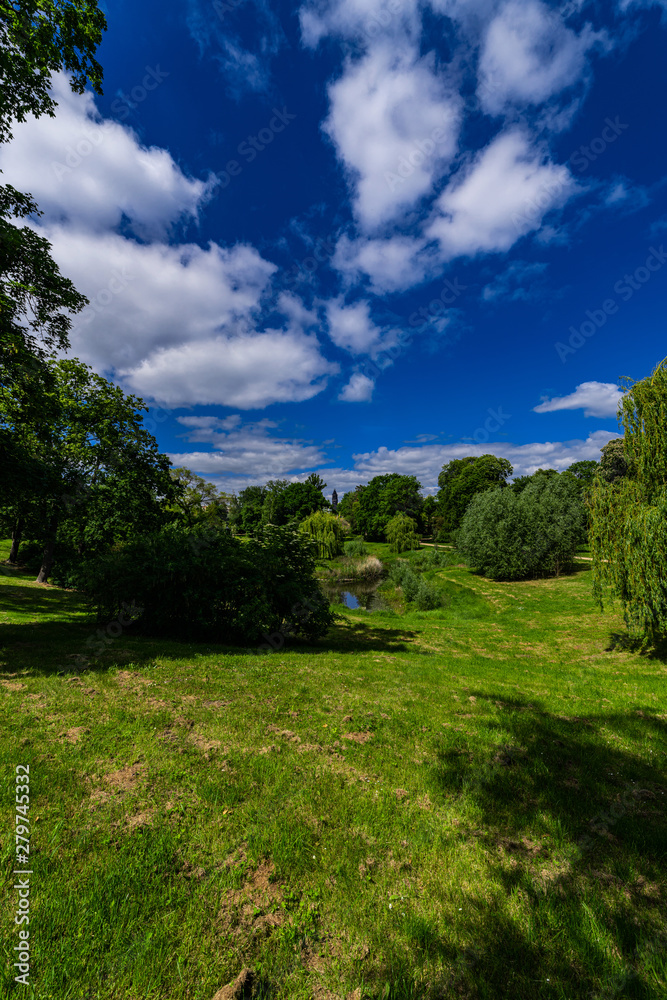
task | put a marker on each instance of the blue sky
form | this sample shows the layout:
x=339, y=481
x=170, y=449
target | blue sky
x=365, y=236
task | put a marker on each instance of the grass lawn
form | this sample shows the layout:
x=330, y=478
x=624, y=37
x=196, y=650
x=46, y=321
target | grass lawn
x=468, y=802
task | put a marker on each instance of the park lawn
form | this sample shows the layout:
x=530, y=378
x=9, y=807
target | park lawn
x=467, y=802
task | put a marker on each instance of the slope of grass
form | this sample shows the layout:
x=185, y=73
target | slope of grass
x=468, y=802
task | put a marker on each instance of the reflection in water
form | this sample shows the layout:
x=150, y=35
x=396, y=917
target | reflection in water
x=355, y=594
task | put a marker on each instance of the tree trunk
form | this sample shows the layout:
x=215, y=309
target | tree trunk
x=17, y=534
x=48, y=554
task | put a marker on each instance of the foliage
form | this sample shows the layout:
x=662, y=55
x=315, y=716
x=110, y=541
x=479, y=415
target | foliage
x=509, y=536
x=327, y=531
x=629, y=510
x=206, y=584
x=97, y=475
x=585, y=472
x=384, y=497
x=519, y=484
x=349, y=504
x=428, y=597
x=401, y=533
x=462, y=479
x=614, y=463
x=294, y=502
x=198, y=499
x=248, y=512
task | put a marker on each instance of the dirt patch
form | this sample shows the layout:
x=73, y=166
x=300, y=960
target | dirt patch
x=358, y=737
x=74, y=734
x=13, y=685
x=240, y=989
x=144, y=818
x=126, y=678
x=215, y=704
x=254, y=909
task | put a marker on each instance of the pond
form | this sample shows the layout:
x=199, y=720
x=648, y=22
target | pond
x=355, y=594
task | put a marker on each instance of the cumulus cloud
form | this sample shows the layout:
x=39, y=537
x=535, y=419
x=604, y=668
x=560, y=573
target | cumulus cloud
x=364, y=20
x=248, y=450
x=500, y=197
x=529, y=55
x=394, y=123
x=596, y=399
x=351, y=327
x=392, y=265
x=247, y=371
x=92, y=172
x=358, y=390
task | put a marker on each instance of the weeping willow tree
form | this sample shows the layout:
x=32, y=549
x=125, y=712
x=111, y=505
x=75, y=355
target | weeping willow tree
x=629, y=516
x=327, y=531
x=401, y=533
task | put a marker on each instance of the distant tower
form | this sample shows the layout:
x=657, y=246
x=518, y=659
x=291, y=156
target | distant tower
x=334, y=502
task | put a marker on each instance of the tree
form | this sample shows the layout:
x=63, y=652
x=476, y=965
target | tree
x=327, y=531
x=429, y=514
x=461, y=479
x=37, y=38
x=519, y=484
x=348, y=506
x=401, y=533
x=199, y=499
x=614, y=464
x=249, y=506
x=297, y=501
x=628, y=510
x=585, y=472
x=101, y=476
x=384, y=497
x=515, y=536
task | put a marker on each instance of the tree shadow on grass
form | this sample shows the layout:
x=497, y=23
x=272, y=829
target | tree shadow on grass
x=574, y=824
x=624, y=642
x=60, y=645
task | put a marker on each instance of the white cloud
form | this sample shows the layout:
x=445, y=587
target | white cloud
x=427, y=461
x=351, y=327
x=91, y=172
x=393, y=264
x=358, y=390
x=145, y=296
x=364, y=20
x=394, y=123
x=521, y=281
x=597, y=399
x=248, y=450
x=247, y=371
x=529, y=55
x=500, y=197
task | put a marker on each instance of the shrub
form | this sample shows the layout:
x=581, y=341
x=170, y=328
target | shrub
x=401, y=533
x=327, y=531
x=199, y=584
x=509, y=536
x=428, y=597
x=369, y=569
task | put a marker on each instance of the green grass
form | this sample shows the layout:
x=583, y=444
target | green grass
x=397, y=812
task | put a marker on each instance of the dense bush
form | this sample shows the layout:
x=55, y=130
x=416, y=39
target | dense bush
x=510, y=536
x=428, y=597
x=209, y=585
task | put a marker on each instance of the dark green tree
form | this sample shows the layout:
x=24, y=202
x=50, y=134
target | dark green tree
x=614, y=463
x=199, y=499
x=101, y=475
x=462, y=479
x=249, y=507
x=384, y=497
x=297, y=501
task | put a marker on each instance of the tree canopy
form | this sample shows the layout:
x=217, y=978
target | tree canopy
x=384, y=497
x=628, y=510
x=461, y=479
